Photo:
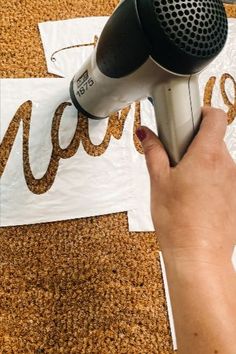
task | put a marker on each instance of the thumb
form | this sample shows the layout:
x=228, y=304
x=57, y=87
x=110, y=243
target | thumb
x=156, y=157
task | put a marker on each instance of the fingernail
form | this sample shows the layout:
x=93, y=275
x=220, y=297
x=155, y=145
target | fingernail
x=141, y=134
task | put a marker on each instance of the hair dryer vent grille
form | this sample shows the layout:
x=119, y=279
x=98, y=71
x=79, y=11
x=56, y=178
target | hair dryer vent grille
x=199, y=28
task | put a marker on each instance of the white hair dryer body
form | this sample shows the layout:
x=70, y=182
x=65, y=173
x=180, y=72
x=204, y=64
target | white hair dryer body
x=153, y=49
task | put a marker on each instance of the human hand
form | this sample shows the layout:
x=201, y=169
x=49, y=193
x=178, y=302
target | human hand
x=193, y=205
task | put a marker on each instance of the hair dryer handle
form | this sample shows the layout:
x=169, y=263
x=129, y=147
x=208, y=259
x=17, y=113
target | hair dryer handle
x=178, y=113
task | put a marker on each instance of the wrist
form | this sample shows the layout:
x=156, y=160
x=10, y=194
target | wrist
x=191, y=262
x=197, y=246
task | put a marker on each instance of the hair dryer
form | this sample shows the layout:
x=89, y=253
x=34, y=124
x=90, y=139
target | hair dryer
x=156, y=49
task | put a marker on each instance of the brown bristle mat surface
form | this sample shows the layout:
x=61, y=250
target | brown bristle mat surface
x=80, y=286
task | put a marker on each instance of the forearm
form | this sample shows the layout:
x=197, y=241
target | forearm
x=193, y=209
x=203, y=297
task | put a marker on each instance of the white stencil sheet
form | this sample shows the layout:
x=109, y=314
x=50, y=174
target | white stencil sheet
x=225, y=63
x=84, y=185
x=67, y=44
